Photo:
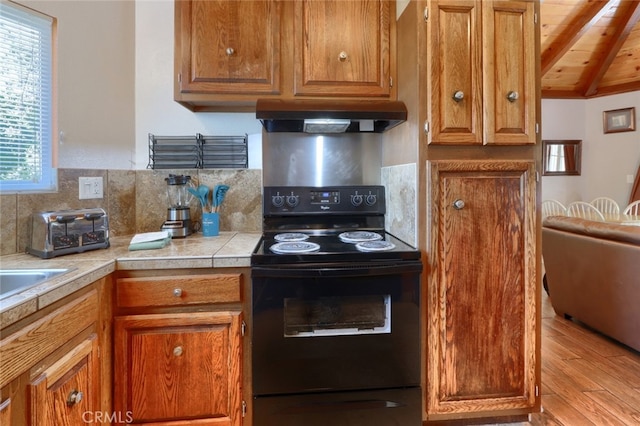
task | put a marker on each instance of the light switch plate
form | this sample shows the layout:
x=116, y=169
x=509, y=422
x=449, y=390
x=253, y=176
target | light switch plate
x=90, y=187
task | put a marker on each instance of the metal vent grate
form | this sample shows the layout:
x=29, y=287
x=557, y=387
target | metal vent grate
x=198, y=152
x=224, y=152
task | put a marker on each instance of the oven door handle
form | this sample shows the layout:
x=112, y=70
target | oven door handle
x=337, y=270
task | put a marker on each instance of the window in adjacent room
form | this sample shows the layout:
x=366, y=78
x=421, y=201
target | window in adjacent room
x=26, y=86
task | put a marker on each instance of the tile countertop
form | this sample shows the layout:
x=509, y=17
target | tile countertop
x=228, y=250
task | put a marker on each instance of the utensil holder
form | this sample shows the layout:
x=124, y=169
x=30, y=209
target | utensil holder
x=210, y=224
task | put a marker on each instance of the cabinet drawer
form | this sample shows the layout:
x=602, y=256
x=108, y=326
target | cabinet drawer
x=178, y=290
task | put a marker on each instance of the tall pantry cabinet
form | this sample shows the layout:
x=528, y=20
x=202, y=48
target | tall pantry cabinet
x=473, y=93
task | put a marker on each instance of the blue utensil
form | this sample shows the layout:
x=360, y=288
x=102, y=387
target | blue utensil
x=193, y=192
x=203, y=195
x=218, y=196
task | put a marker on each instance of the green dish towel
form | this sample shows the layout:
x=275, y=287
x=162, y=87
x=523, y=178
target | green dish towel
x=149, y=241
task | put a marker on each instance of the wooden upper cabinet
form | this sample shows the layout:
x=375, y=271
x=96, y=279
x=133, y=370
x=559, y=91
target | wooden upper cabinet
x=342, y=48
x=483, y=68
x=510, y=66
x=227, y=47
x=456, y=72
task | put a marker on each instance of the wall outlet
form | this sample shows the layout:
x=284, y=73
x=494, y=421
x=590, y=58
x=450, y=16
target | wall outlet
x=90, y=187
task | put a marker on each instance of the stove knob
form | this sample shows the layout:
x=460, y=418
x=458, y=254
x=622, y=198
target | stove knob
x=292, y=200
x=277, y=200
x=356, y=200
x=371, y=199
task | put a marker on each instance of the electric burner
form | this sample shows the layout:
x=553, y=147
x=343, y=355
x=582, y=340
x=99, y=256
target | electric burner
x=359, y=236
x=291, y=237
x=375, y=246
x=294, y=247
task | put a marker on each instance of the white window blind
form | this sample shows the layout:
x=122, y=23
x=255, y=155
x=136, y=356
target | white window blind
x=26, y=49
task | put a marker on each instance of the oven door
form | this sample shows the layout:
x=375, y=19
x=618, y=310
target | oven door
x=337, y=327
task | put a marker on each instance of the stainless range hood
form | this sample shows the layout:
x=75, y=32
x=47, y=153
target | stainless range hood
x=330, y=116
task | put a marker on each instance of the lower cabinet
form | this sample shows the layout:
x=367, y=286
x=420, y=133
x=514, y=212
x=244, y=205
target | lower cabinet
x=67, y=393
x=178, y=349
x=482, y=340
x=183, y=366
x=52, y=363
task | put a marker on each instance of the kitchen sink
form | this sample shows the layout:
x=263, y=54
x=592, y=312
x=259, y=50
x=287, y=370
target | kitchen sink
x=13, y=281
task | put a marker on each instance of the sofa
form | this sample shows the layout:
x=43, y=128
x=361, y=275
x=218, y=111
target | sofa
x=593, y=274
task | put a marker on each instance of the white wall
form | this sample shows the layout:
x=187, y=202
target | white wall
x=95, y=108
x=607, y=159
x=115, y=81
x=156, y=111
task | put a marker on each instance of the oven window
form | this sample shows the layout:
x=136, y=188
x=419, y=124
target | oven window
x=337, y=316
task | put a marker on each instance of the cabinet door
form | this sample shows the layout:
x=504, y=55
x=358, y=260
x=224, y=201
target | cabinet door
x=183, y=366
x=456, y=72
x=510, y=69
x=342, y=48
x=481, y=298
x=67, y=393
x=228, y=47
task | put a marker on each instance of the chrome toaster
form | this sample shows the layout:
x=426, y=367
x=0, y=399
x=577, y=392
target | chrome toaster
x=55, y=233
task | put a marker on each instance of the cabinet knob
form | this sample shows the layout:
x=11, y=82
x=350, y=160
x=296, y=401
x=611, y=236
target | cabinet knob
x=74, y=397
x=177, y=351
x=230, y=51
x=458, y=204
x=177, y=292
x=458, y=96
x=512, y=96
x=343, y=56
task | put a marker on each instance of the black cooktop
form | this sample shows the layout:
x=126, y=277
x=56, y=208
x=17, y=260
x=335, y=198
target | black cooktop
x=331, y=250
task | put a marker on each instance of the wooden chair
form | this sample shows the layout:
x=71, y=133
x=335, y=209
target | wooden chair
x=584, y=210
x=606, y=205
x=633, y=208
x=553, y=208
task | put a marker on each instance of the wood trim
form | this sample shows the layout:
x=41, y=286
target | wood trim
x=5, y=412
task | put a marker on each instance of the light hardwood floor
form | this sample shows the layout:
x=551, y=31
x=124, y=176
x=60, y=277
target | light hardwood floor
x=587, y=378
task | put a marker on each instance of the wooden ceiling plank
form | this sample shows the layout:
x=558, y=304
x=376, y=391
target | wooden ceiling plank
x=575, y=30
x=561, y=94
x=630, y=19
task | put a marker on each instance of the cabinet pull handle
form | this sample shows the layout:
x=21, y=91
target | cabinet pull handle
x=512, y=96
x=177, y=292
x=458, y=204
x=74, y=397
x=343, y=56
x=177, y=351
x=230, y=51
x=458, y=95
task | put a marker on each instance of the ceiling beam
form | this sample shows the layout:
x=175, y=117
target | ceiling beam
x=617, y=89
x=575, y=30
x=628, y=22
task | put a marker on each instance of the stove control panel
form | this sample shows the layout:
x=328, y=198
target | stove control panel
x=367, y=199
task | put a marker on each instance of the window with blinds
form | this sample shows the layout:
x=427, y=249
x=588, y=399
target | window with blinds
x=26, y=142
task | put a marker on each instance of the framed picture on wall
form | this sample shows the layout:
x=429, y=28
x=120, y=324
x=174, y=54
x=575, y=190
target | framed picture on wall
x=620, y=120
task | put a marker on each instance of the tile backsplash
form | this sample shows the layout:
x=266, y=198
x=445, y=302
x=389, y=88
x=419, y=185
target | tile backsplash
x=134, y=201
